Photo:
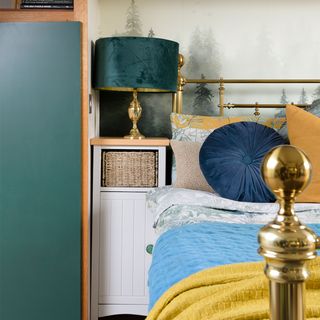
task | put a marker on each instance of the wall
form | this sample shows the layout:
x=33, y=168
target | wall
x=230, y=39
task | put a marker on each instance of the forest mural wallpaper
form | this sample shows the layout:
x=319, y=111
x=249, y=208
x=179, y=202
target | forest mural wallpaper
x=232, y=39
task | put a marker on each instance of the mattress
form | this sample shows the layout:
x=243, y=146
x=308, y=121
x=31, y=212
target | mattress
x=199, y=230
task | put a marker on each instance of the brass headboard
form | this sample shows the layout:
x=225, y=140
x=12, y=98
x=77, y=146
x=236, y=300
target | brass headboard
x=177, y=101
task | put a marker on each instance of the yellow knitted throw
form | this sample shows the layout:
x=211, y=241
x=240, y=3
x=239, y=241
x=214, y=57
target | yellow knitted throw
x=235, y=291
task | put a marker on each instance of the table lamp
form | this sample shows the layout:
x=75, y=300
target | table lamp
x=136, y=64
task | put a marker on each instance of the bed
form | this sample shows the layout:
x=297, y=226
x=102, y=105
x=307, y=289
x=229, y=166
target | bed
x=205, y=262
x=198, y=230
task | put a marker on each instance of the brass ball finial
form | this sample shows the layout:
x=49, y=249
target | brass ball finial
x=180, y=60
x=286, y=170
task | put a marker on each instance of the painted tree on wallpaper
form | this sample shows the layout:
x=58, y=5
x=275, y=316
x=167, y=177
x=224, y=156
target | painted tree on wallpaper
x=151, y=33
x=284, y=99
x=133, y=26
x=203, y=58
x=203, y=98
x=281, y=112
x=266, y=55
x=303, y=97
x=316, y=93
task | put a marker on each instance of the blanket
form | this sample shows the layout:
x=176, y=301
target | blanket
x=235, y=291
x=187, y=249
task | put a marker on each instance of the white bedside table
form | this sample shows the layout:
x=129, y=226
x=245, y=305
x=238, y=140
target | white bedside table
x=122, y=233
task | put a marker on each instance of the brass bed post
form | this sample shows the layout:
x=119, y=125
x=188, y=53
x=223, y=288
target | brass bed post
x=177, y=100
x=285, y=243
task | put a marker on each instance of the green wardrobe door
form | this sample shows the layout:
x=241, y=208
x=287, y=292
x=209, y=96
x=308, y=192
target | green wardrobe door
x=40, y=171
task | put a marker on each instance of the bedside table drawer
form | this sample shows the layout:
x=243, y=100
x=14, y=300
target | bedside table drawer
x=129, y=168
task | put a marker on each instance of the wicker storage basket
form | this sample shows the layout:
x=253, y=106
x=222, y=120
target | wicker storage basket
x=126, y=168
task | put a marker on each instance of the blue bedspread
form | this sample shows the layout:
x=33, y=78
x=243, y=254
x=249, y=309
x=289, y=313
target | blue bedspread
x=184, y=250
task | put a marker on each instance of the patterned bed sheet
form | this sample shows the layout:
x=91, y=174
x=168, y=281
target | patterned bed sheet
x=199, y=230
x=172, y=207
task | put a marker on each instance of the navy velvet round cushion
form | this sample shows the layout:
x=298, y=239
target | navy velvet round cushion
x=230, y=160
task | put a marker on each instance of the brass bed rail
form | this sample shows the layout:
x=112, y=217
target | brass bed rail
x=177, y=101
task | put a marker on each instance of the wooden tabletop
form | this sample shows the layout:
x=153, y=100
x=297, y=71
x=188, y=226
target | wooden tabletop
x=119, y=141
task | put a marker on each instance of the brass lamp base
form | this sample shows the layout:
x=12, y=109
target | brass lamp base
x=134, y=134
x=134, y=112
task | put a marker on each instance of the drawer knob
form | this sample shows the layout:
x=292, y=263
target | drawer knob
x=149, y=248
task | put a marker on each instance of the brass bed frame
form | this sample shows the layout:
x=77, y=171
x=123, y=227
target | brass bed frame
x=285, y=243
x=177, y=101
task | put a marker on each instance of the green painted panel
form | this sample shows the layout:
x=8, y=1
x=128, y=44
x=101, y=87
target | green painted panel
x=40, y=171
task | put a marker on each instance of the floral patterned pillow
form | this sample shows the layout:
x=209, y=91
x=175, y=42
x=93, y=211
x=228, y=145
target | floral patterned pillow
x=197, y=128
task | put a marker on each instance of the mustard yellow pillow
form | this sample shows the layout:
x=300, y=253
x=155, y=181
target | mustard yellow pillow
x=304, y=132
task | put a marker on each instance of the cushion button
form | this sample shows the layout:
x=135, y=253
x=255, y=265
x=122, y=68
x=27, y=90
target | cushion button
x=247, y=160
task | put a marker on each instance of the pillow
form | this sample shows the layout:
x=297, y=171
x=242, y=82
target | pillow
x=313, y=109
x=187, y=127
x=304, y=132
x=230, y=160
x=189, y=175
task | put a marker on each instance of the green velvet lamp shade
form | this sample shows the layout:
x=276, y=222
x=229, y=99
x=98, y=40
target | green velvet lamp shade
x=136, y=63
